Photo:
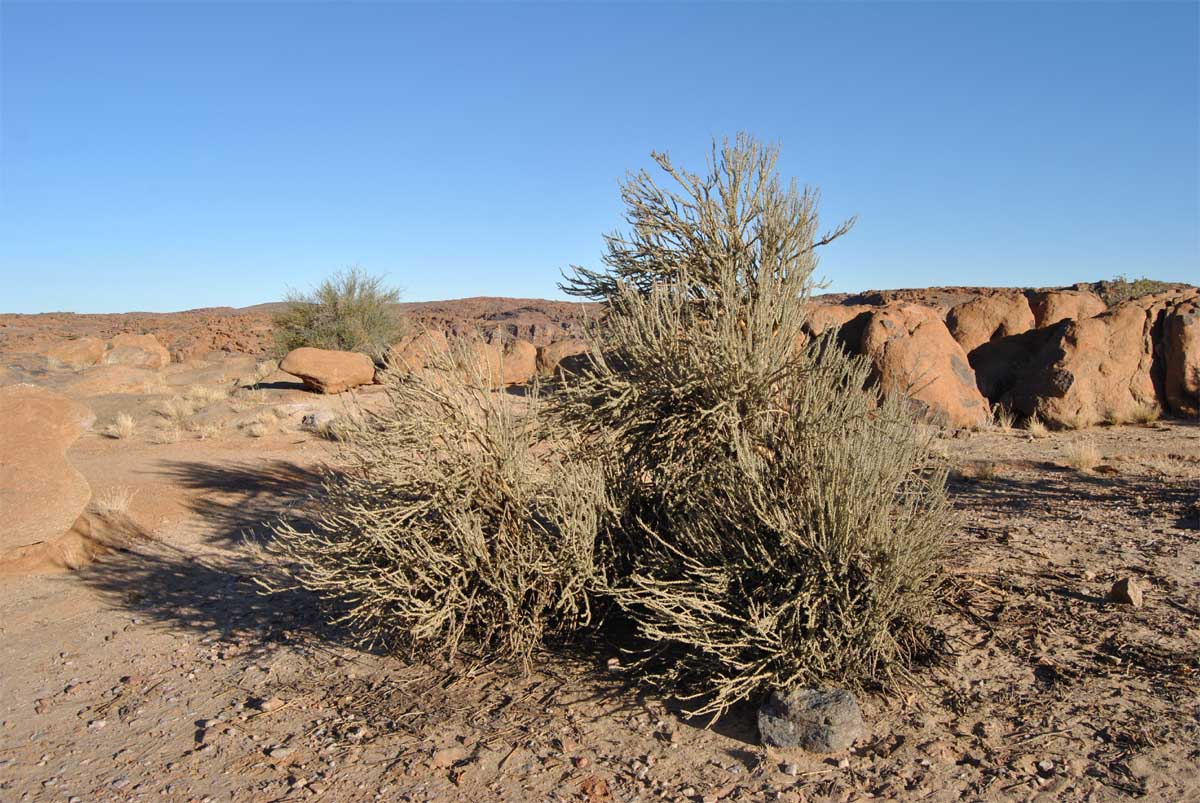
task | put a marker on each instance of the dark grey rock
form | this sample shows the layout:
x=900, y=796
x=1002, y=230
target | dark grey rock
x=817, y=720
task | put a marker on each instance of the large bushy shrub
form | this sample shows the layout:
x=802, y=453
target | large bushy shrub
x=778, y=525
x=450, y=518
x=349, y=311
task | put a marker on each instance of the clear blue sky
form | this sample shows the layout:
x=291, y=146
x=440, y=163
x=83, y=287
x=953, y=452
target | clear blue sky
x=170, y=155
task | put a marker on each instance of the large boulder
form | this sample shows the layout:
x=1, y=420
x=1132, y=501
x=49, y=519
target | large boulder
x=1181, y=356
x=912, y=353
x=502, y=365
x=822, y=317
x=137, y=351
x=416, y=352
x=549, y=357
x=1051, y=306
x=41, y=493
x=1106, y=369
x=80, y=352
x=986, y=318
x=327, y=371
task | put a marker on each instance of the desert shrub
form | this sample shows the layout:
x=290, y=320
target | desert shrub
x=778, y=525
x=1122, y=288
x=450, y=519
x=350, y=311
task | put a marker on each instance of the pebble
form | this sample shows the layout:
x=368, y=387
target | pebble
x=1127, y=591
x=281, y=752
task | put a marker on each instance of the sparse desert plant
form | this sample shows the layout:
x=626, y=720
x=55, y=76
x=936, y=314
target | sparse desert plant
x=263, y=370
x=778, y=525
x=167, y=433
x=176, y=410
x=205, y=430
x=1036, y=427
x=450, y=519
x=985, y=470
x=1082, y=455
x=1002, y=417
x=350, y=311
x=262, y=424
x=122, y=427
x=113, y=500
x=1122, y=288
x=1145, y=414
x=203, y=395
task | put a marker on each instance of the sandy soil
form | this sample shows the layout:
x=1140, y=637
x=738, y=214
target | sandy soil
x=163, y=674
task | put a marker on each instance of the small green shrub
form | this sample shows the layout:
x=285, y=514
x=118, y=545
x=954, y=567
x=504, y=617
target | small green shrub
x=350, y=311
x=451, y=518
x=777, y=525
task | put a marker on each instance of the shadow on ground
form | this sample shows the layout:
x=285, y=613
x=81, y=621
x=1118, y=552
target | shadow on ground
x=218, y=587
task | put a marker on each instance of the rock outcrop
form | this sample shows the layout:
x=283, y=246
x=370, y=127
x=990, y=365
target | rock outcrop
x=1106, y=369
x=912, y=353
x=328, y=371
x=41, y=494
x=1051, y=306
x=988, y=318
x=79, y=352
x=549, y=357
x=137, y=351
x=1181, y=357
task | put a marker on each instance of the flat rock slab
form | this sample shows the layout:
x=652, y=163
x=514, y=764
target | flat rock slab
x=816, y=720
x=41, y=493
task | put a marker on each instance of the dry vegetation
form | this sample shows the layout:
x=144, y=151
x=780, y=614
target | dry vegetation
x=350, y=311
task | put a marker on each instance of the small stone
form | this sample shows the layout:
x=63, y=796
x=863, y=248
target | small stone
x=280, y=753
x=269, y=705
x=582, y=762
x=1045, y=768
x=817, y=720
x=449, y=756
x=1127, y=591
x=791, y=769
x=96, y=724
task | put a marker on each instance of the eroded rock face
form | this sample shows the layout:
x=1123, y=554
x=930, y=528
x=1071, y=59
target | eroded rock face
x=1181, y=357
x=1051, y=306
x=913, y=354
x=137, y=351
x=1106, y=369
x=548, y=357
x=103, y=380
x=41, y=493
x=328, y=371
x=80, y=352
x=988, y=318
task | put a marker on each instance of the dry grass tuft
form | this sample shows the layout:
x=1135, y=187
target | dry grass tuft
x=205, y=430
x=167, y=433
x=1082, y=455
x=204, y=395
x=122, y=427
x=1145, y=414
x=113, y=500
x=176, y=410
x=1002, y=417
x=1036, y=427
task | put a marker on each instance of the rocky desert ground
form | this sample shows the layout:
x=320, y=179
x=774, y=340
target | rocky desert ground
x=142, y=454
